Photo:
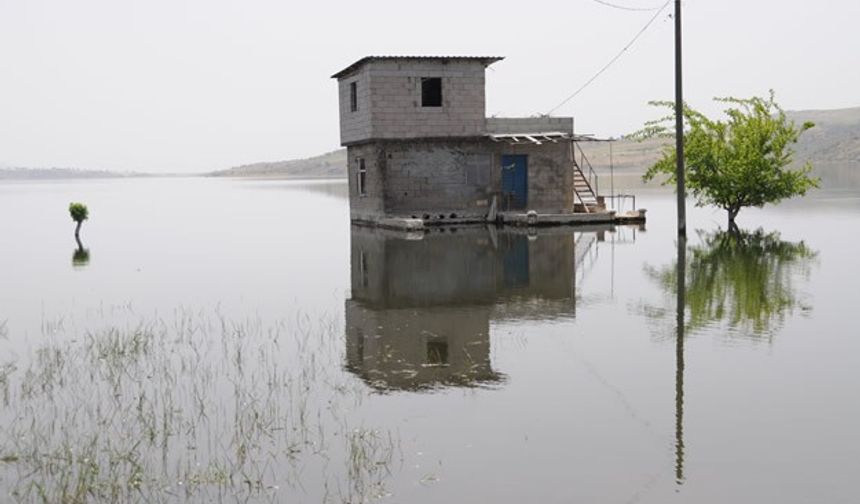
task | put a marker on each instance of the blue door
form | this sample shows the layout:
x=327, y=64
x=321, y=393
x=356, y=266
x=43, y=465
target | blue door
x=515, y=181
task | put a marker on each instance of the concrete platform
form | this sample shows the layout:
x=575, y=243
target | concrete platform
x=632, y=217
x=536, y=219
x=408, y=224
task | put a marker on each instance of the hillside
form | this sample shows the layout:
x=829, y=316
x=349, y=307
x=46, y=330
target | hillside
x=833, y=147
x=835, y=137
x=63, y=174
x=328, y=165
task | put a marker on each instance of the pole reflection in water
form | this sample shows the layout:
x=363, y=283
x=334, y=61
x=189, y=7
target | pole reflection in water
x=679, y=359
x=423, y=302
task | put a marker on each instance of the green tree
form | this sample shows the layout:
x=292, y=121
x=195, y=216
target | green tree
x=79, y=213
x=739, y=162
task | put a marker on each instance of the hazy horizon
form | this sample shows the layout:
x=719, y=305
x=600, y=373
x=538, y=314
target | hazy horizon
x=198, y=86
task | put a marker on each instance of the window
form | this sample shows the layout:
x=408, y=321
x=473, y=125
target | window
x=361, y=177
x=431, y=91
x=353, y=96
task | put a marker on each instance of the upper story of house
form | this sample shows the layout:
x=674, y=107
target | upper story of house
x=412, y=97
x=404, y=97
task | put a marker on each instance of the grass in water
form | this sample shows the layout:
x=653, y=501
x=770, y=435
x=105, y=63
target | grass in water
x=195, y=407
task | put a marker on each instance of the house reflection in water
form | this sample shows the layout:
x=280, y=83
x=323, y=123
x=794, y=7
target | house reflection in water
x=422, y=303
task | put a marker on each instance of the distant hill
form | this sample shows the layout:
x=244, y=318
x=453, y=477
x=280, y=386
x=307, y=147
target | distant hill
x=328, y=165
x=60, y=174
x=835, y=137
x=833, y=147
x=628, y=156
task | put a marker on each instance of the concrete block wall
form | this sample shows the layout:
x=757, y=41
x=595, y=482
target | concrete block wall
x=441, y=180
x=355, y=125
x=396, y=99
x=507, y=125
x=368, y=207
x=389, y=93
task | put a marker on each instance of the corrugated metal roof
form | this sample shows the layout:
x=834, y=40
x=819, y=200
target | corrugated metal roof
x=486, y=60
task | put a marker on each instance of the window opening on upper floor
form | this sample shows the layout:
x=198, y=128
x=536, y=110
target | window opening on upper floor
x=353, y=96
x=431, y=91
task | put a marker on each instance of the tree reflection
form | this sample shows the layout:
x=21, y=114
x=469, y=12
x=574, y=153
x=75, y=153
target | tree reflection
x=742, y=279
x=81, y=255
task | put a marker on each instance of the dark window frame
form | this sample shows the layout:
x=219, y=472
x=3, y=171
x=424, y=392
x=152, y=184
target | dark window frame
x=431, y=92
x=353, y=96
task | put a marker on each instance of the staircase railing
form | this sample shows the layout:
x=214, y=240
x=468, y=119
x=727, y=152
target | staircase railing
x=621, y=201
x=591, y=178
x=580, y=177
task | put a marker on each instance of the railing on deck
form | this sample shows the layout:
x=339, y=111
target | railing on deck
x=623, y=199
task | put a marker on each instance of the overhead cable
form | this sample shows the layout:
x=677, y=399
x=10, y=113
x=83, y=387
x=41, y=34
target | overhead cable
x=624, y=7
x=613, y=60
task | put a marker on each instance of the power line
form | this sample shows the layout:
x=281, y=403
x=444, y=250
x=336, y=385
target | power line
x=624, y=7
x=613, y=60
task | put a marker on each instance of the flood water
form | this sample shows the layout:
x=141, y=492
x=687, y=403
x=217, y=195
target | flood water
x=224, y=340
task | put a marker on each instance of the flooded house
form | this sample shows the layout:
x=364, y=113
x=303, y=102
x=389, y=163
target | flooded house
x=421, y=150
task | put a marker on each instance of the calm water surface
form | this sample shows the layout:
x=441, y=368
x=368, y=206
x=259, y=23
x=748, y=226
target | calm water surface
x=223, y=340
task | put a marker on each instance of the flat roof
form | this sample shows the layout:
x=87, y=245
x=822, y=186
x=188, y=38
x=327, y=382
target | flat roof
x=539, y=137
x=486, y=60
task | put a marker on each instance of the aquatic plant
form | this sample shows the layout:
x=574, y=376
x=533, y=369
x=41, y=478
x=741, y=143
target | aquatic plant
x=195, y=406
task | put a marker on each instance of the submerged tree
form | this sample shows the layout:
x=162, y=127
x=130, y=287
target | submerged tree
x=737, y=163
x=742, y=279
x=79, y=213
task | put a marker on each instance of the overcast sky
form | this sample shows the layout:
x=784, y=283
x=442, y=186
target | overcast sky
x=198, y=85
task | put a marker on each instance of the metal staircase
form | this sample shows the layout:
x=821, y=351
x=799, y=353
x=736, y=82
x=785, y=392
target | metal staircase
x=582, y=188
x=584, y=179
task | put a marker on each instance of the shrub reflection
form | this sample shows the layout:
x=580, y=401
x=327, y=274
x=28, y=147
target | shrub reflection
x=743, y=280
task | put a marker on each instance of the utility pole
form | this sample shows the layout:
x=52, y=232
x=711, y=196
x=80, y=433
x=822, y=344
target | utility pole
x=679, y=126
x=682, y=254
